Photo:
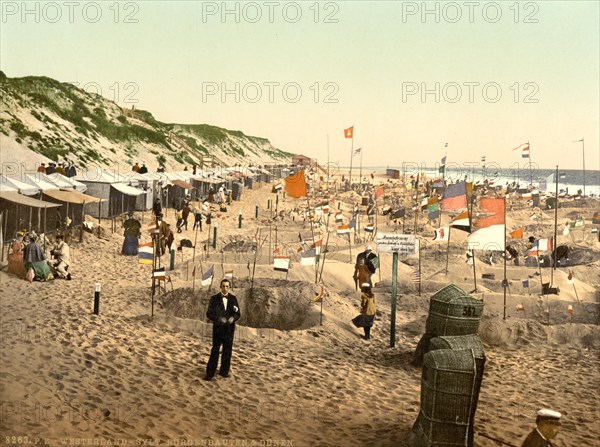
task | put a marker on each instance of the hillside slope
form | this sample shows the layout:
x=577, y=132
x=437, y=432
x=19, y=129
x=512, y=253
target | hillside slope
x=64, y=123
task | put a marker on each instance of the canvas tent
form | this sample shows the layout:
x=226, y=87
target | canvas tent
x=23, y=212
x=19, y=186
x=109, y=186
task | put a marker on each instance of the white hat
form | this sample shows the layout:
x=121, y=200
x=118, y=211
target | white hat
x=369, y=248
x=547, y=414
x=365, y=284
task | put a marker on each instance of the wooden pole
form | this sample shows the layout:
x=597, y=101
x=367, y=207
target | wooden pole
x=394, y=298
x=82, y=219
x=448, y=248
x=555, y=226
x=504, y=281
x=420, y=275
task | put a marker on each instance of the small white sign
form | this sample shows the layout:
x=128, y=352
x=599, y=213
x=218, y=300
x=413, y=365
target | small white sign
x=405, y=244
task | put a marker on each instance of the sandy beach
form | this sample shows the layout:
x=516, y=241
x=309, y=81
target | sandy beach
x=69, y=377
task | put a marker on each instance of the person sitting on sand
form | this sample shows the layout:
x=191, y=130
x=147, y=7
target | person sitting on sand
x=35, y=260
x=62, y=257
x=547, y=427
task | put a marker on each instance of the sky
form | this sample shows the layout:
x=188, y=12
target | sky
x=416, y=80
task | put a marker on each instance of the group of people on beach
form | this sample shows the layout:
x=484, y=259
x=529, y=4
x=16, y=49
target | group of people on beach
x=27, y=259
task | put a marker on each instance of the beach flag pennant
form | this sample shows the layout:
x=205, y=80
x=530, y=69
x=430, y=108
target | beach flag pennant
x=369, y=229
x=152, y=227
x=343, y=229
x=596, y=218
x=520, y=307
x=491, y=232
x=278, y=186
x=207, y=278
x=308, y=257
x=146, y=253
x=526, y=196
x=281, y=263
x=332, y=200
x=357, y=151
x=295, y=185
x=577, y=223
x=525, y=152
x=455, y=197
x=441, y=234
x=318, y=296
x=379, y=193
x=525, y=283
x=317, y=246
x=339, y=217
x=276, y=249
x=228, y=274
x=416, y=277
x=517, y=234
x=349, y=132
x=570, y=309
x=461, y=222
x=159, y=273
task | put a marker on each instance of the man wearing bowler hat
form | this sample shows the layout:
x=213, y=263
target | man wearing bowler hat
x=547, y=426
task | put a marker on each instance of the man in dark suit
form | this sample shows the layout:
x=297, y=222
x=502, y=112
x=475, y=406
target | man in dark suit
x=547, y=426
x=223, y=311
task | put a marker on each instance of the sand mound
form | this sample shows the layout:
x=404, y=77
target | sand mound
x=270, y=303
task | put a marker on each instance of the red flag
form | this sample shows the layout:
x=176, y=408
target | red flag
x=379, y=192
x=349, y=132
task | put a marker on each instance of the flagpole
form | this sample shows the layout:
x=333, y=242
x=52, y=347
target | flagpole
x=448, y=247
x=360, y=171
x=324, y=250
x=328, y=186
x=504, y=281
x=472, y=250
x=417, y=205
x=583, y=153
x=530, y=171
x=351, y=155
x=555, y=224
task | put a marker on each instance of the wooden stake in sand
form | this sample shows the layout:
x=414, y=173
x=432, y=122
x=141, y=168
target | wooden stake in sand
x=394, y=294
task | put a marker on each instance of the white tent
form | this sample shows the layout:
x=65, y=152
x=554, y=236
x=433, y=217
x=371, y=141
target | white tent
x=24, y=188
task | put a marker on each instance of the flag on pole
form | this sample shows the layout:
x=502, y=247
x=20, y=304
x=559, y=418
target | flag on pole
x=343, y=229
x=570, y=309
x=433, y=208
x=416, y=277
x=295, y=185
x=562, y=175
x=152, y=227
x=159, y=273
x=455, y=197
x=491, y=232
x=357, y=151
x=339, y=216
x=317, y=246
x=208, y=276
x=525, y=152
x=369, y=229
x=308, y=257
x=442, y=168
x=539, y=246
x=577, y=223
x=281, y=263
x=461, y=222
x=318, y=296
x=483, y=159
x=441, y=234
x=229, y=274
x=278, y=186
x=146, y=253
x=379, y=193
x=525, y=283
x=349, y=132
x=517, y=234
